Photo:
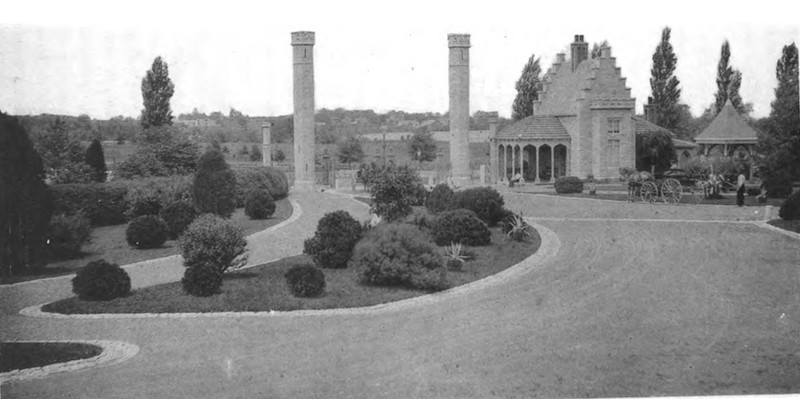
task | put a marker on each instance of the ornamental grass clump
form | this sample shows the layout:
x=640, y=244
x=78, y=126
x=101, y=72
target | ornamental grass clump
x=333, y=242
x=398, y=255
x=101, y=281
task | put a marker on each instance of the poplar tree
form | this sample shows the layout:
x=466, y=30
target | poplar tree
x=728, y=82
x=157, y=90
x=528, y=87
x=96, y=160
x=664, y=84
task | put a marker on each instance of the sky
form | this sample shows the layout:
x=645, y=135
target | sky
x=89, y=57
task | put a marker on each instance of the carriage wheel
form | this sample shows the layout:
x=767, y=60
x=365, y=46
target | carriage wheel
x=649, y=192
x=671, y=191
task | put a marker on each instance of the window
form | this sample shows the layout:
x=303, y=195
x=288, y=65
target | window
x=613, y=126
x=612, y=149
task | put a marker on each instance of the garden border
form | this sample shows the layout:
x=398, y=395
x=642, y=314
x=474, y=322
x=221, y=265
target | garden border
x=549, y=247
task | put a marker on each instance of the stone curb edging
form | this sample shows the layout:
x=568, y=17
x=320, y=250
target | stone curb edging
x=550, y=245
x=113, y=352
x=297, y=211
x=765, y=225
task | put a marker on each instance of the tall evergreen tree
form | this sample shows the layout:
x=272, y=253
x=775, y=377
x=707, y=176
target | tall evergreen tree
x=664, y=84
x=214, y=185
x=96, y=160
x=779, y=140
x=157, y=90
x=728, y=82
x=528, y=87
x=25, y=200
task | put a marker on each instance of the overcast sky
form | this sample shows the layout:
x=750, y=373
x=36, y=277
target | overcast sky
x=76, y=57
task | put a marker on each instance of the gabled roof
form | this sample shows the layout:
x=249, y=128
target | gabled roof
x=644, y=126
x=728, y=127
x=535, y=127
x=565, y=87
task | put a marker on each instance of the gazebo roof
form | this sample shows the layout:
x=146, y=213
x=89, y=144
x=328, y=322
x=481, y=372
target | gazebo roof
x=728, y=127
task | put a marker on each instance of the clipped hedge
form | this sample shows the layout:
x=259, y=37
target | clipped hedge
x=101, y=281
x=305, y=281
x=460, y=226
x=486, y=202
x=333, y=242
x=398, y=255
x=262, y=178
x=103, y=203
x=149, y=196
x=259, y=205
x=67, y=234
x=146, y=232
x=441, y=199
x=568, y=185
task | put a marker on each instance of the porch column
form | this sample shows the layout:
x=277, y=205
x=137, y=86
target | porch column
x=538, y=151
x=566, y=160
x=522, y=160
x=505, y=161
x=552, y=163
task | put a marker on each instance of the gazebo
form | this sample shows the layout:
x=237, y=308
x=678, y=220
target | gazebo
x=729, y=135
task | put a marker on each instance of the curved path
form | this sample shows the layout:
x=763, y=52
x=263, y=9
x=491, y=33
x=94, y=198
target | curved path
x=641, y=300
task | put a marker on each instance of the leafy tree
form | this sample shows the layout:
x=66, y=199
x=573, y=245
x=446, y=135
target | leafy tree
x=728, y=82
x=164, y=151
x=597, y=49
x=96, y=160
x=654, y=150
x=56, y=147
x=664, y=83
x=25, y=201
x=214, y=186
x=350, y=150
x=422, y=147
x=279, y=155
x=779, y=141
x=528, y=87
x=157, y=90
x=394, y=192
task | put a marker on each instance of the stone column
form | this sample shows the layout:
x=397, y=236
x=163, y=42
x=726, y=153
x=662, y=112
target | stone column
x=304, y=124
x=513, y=160
x=459, y=108
x=266, y=144
x=505, y=162
x=552, y=163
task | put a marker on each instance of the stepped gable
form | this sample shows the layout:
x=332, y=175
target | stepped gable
x=728, y=127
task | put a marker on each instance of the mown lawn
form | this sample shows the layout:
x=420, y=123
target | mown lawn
x=109, y=243
x=25, y=355
x=727, y=199
x=263, y=288
x=791, y=225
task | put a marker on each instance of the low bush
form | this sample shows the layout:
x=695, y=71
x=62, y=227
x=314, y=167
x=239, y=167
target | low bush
x=202, y=280
x=486, y=202
x=790, y=209
x=568, y=185
x=148, y=196
x=418, y=194
x=146, y=232
x=101, y=281
x=103, y=203
x=263, y=178
x=305, y=281
x=333, y=242
x=67, y=234
x=460, y=226
x=440, y=199
x=398, y=255
x=259, y=205
x=178, y=216
x=213, y=240
x=753, y=191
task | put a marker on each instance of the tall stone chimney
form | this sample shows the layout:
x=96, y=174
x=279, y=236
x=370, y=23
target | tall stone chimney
x=459, y=108
x=492, y=117
x=580, y=51
x=266, y=144
x=651, y=111
x=304, y=124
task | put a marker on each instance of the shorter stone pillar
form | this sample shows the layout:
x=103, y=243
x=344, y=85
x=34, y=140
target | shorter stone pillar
x=266, y=144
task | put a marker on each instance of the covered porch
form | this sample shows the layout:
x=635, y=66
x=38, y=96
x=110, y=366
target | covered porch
x=536, y=161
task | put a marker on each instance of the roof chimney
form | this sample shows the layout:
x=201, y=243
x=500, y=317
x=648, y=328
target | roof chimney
x=580, y=51
x=605, y=52
x=492, y=117
x=561, y=58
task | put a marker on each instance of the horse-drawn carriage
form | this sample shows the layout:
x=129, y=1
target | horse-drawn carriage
x=672, y=187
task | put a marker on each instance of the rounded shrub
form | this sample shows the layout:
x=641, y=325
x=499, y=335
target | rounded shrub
x=214, y=186
x=202, y=280
x=101, y=281
x=263, y=178
x=440, y=199
x=790, y=209
x=259, y=205
x=568, y=185
x=393, y=192
x=146, y=232
x=67, y=234
x=178, y=216
x=398, y=255
x=305, y=281
x=486, y=202
x=460, y=226
x=213, y=240
x=333, y=242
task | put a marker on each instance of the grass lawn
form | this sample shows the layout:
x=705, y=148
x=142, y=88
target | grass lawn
x=109, y=243
x=26, y=355
x=791, y=225
x=727, y=199
x=263, y=288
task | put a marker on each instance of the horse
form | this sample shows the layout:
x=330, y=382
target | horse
x=635, y=180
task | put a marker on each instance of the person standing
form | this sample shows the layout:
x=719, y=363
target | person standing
x=740, y=189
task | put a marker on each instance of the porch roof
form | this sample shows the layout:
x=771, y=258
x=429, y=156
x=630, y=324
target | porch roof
x=535, y=128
